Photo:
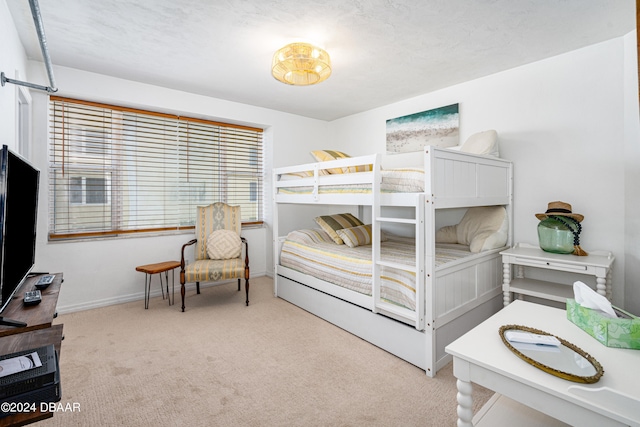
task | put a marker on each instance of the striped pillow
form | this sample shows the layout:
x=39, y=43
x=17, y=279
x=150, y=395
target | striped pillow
x=302, y=174
x=358, y=236
x=326, y=155
x=309, y=237
x=332, y=223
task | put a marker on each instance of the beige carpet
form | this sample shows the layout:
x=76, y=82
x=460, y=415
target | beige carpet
x=223, y=364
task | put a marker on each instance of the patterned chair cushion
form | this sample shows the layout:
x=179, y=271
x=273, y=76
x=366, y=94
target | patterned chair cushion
x=224, y=244
x=214, y=270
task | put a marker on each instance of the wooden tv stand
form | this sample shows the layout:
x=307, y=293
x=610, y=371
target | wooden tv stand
x=38, y=332
x=38, y=316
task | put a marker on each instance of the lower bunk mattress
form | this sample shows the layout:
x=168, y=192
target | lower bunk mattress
x=313, y=252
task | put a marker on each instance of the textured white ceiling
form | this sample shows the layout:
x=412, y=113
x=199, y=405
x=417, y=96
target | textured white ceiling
x=382, y=51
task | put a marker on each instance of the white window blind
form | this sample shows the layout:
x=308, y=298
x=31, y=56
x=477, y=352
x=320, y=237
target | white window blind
x=116, y=170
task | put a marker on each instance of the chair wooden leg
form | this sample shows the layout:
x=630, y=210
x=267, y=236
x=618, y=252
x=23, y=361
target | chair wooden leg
x=197, y=287
x=246, y=286
x=238, y=285
x=182, y=293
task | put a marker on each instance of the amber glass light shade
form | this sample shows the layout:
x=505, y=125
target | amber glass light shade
x=301, y=64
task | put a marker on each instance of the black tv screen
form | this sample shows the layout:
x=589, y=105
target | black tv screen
x=19, y=182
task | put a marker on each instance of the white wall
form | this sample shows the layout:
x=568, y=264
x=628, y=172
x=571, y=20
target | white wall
x=561, y=121
x=632, y=176
x=13, y=63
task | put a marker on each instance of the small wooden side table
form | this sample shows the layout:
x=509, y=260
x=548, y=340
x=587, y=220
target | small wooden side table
x=159, y=268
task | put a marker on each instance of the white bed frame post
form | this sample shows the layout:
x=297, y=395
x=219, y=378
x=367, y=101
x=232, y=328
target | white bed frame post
x=376, y=238
x=429, y=262
x=420, y=263
x=275, y=236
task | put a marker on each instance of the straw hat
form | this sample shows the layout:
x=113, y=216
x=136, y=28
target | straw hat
x=560, y=209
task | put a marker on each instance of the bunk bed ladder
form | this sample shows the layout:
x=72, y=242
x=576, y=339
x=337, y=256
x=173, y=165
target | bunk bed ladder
x=418, y=267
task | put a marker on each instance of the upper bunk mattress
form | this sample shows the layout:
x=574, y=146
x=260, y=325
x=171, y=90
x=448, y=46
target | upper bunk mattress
x=313, y=252
x=401, y=180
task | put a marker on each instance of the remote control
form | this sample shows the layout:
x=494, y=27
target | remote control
x=32, y=297
x=531, y=338
x=44, y=281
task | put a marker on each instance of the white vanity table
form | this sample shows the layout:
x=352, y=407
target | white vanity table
x=527, y=393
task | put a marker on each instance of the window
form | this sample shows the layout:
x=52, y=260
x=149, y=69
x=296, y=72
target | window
x=116, y=170
x=86, y=190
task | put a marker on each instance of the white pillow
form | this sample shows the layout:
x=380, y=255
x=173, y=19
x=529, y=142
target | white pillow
x=482, y=143
x=447, y=234
x=224, y=244
x=481, y=228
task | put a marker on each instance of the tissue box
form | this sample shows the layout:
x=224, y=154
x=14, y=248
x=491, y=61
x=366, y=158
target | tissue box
x=619, y=333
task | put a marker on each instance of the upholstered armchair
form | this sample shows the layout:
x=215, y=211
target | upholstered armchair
x=220, y=252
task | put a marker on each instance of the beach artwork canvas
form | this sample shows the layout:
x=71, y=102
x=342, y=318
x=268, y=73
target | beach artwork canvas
x=438, y=127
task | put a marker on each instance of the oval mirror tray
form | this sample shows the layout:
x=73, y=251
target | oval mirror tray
x=564, y=360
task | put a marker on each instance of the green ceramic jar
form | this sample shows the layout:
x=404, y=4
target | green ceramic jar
x=555, y=237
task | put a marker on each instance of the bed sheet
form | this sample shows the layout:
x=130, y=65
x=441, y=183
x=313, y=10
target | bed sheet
x=313, y=252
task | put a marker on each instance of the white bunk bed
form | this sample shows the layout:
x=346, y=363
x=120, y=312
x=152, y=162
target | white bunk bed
x=449, y=299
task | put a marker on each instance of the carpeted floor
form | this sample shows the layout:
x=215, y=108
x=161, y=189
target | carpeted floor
x=223, y=364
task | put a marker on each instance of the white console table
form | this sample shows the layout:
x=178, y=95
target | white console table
x=481, y=357
x=597, y=264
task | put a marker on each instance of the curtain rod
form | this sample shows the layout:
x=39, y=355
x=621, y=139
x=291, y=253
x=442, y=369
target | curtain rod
x=37, y=19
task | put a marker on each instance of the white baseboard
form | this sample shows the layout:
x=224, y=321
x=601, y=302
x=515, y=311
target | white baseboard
x=137, y=296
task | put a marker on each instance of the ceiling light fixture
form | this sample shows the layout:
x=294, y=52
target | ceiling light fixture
x=301, y=64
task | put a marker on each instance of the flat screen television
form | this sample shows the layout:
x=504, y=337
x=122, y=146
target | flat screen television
x=19, y=182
